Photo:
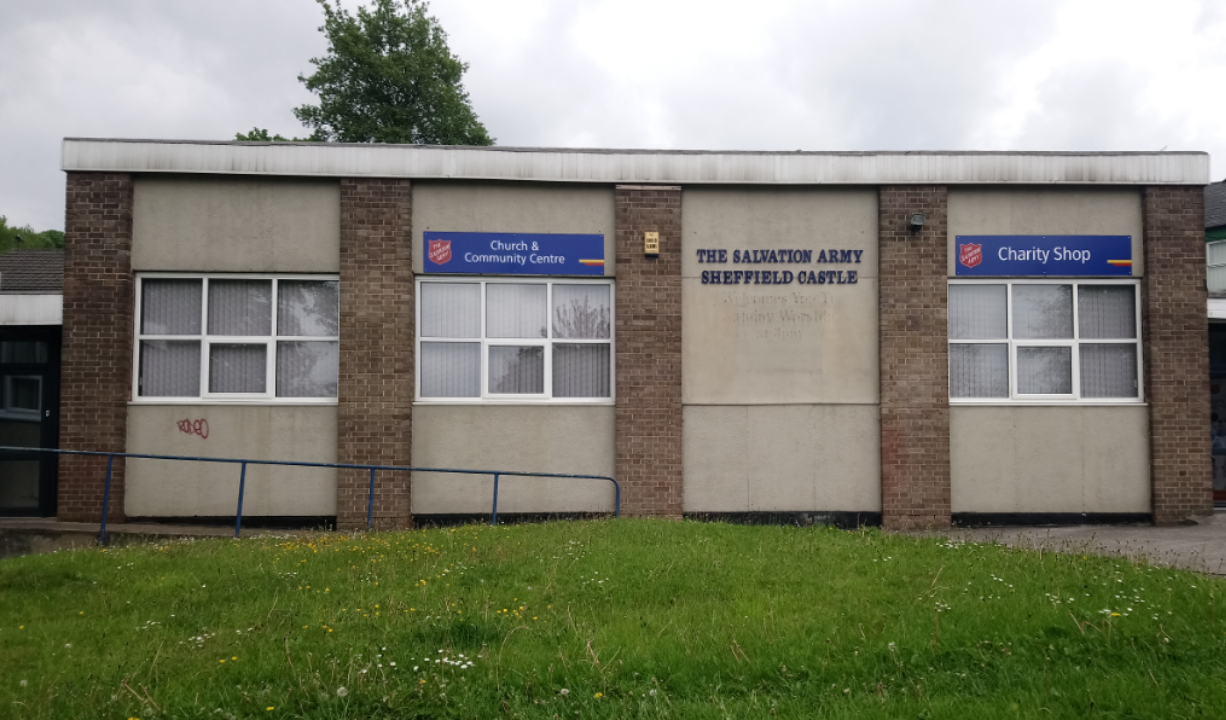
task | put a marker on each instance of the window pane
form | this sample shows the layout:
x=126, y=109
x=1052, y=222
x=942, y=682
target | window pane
x=450, y=370
x=581, y=311
x=240, y=307
x=517, y=369
x=451, y=310
x=238, y=368
x=23, y=351
x=581, y=371
x=24, y=394
x=170, y=307
x=169, y=368
x=308, y=307
x=1109, y=371
x=1044, y=370
x=979, y=371
x=307, y=369
x=1042, y=311
x=515, y=311
x=19, y=491
x=977, y=312
x=1107, y=311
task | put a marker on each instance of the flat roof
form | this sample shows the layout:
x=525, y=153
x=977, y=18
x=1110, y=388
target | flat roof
x=679, y=167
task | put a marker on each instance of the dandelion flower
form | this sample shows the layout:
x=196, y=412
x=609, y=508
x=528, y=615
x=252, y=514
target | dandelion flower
x=341, y=692
x=270, y=708
x=564, y=692
x=599, y=695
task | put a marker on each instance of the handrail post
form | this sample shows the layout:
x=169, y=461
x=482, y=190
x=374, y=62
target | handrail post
x=617, y=498
x=370, y=503
x=494, y=514
x=103, y=538
x=238, y=516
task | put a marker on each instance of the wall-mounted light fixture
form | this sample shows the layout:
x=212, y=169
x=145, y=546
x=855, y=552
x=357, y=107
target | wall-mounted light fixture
x=917, y=222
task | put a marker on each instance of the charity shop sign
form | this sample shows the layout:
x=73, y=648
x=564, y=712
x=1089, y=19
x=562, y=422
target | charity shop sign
x=1050, y=255
x=477, y=253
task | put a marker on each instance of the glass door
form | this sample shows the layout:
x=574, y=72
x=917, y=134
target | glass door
x=29, y=417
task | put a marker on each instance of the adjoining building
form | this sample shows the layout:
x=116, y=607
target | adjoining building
x=1215, y=251
x=903, y=338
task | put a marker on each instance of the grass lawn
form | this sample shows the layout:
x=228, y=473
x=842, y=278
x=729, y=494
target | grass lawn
x=626, y=619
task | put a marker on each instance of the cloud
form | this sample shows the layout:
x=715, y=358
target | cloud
x=772, y=74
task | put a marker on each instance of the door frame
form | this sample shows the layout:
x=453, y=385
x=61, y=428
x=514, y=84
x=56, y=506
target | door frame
x=48, y=474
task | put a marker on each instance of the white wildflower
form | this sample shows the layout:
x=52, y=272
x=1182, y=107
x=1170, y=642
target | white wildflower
x=341, y=692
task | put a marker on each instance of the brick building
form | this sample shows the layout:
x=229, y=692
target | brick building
x=910, y=339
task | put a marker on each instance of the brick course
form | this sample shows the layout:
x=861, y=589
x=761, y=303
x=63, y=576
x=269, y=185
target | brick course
x=376, y=350
x=96, y=374
x=648, y=347
x=915, y=477
x=1175, y=336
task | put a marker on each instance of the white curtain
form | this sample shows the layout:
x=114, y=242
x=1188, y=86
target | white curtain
x=240, y=307
x=307, y=369
x=581, y=312
x=169, y=368
x=1107, y=312
x=979, y=370
x=517, y=369
x=977, y=312
x=308, y=308
x=450, y=310
x=581, y=371
x=1108, y=371
x=170, y=307
x=450, y=370
x=235, y=368
x=515, y=311
x=1045, y=370
x=1042, y=312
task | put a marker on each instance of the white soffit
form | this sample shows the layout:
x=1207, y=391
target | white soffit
x=1217, y=308
x=632, y=166
x=31, y=309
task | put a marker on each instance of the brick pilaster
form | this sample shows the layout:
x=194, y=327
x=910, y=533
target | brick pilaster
x=915, y=489
x=96, y=375
x=1175, y=335
x=648, y=347
x=376, y=350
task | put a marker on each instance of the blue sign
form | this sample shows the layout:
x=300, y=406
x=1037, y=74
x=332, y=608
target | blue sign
x=1065, y=255
x=514, y=253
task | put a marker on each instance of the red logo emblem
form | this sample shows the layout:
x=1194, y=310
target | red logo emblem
x=970, y=254
x=440, y=251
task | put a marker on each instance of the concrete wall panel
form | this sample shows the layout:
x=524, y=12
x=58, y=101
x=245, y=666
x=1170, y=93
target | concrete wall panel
x=1046, y=211
x=209, y=224
x=783, y=458
x=521, y=208
x=785, y=344
x=159, y=488
x=553, y=439
x=1050, y=459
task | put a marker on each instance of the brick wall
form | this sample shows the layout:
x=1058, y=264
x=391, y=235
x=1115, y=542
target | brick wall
x=915, y=489
x=96, y=375
x=376, y=348
x=1175, y=335
x=648, y=346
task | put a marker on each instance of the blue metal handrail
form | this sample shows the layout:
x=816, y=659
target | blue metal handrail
x=242, y=479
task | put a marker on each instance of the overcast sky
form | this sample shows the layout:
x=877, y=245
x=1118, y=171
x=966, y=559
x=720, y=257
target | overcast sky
x=694, y=74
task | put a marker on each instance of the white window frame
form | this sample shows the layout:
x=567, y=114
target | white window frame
x=545, y=398
x=1074, y=343
x=269, y=396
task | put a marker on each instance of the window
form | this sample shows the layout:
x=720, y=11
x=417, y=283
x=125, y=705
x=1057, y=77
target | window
x=514, y=340
x=1039, y=340
x=1215, y=255
x=237, y=338
x=22, y=397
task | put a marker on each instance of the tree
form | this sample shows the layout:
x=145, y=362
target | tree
x=388, y=77
x=26, y=237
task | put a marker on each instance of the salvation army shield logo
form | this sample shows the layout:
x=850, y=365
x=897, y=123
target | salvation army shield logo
x=970, y=254
x=440, y=251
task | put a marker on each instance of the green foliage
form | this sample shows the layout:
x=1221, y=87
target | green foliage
x=261, y=135
x=389, y=77
x=28, y=237
x=605, y=619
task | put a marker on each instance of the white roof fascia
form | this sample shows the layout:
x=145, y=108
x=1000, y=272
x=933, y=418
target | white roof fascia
x=22, y=309
x=679, y=167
